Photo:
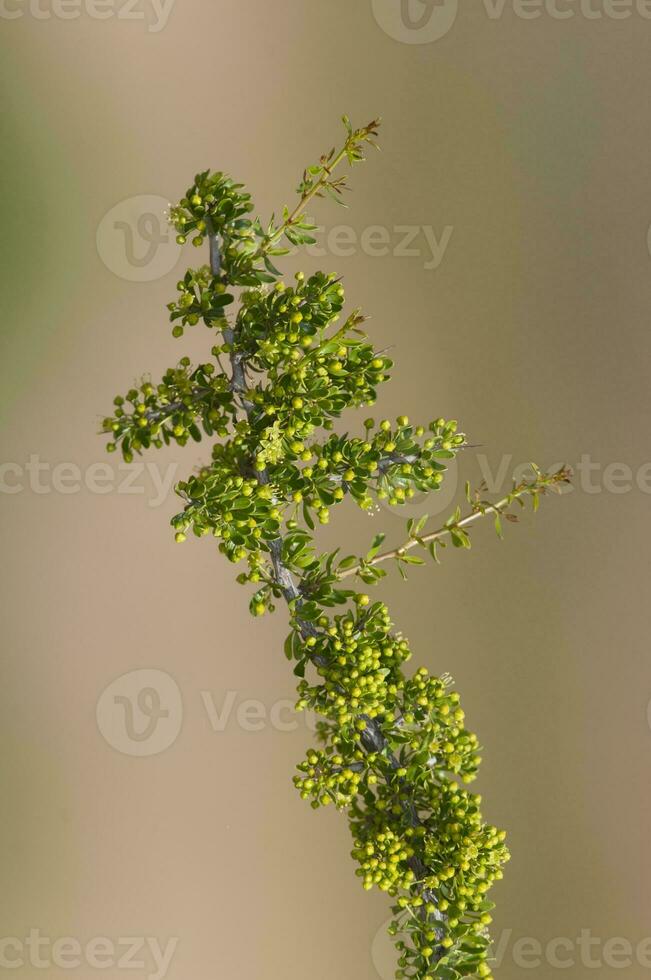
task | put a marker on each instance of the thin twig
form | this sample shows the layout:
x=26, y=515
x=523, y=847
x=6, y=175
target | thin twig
x=539, y=485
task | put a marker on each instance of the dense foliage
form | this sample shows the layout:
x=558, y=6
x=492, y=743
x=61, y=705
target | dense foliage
x=394, y=753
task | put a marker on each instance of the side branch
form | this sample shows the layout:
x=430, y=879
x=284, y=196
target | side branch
x=456, y=525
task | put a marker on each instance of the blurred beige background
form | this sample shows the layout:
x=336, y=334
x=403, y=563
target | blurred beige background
x=519, y=146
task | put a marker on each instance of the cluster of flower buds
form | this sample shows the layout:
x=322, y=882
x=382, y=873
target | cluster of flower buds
x=213, y=204
x=418, y=834
x=464, y=857
x=275, y=326
x=202, y=296
x=310, y=378
x=359, y=660
x=326, y=778
x=172, y=411
x=238, y=510
x=384, y=857
x=432, y=726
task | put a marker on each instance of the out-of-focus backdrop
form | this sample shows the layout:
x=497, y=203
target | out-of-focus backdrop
x=500, y=244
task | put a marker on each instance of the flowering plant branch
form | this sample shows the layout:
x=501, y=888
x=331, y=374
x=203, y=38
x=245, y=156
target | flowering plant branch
x=394, y=753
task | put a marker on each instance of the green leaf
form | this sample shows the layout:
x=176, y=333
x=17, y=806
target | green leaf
x=459, y=538
x=310, y=611
x=289, y=646
x=270, y=267
x=446, y=973
x=420, y=524
x=375, y=546
x=218, y=302
x=348, y=562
